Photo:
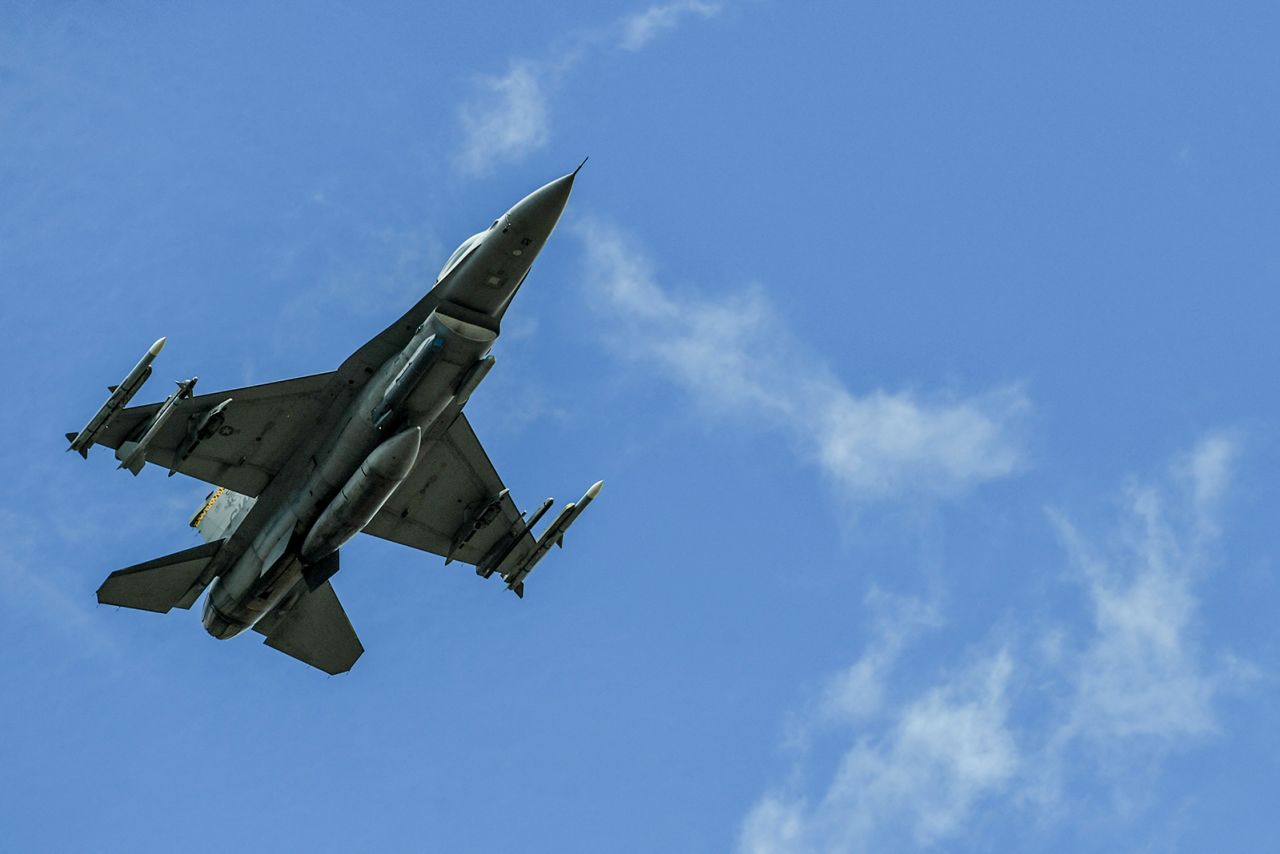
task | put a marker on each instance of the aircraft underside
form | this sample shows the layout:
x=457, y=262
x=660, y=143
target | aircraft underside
x=379, y=446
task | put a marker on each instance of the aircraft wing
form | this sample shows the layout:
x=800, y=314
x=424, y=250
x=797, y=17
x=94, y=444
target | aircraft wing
x=437, y=505
x=262, y=428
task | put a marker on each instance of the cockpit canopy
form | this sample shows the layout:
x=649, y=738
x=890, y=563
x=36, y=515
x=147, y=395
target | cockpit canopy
x=459, y=253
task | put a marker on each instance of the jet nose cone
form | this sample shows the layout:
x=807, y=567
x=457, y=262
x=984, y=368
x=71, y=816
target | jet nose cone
x=541, y=209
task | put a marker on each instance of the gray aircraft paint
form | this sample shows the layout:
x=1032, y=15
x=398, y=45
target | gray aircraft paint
x=386, y=415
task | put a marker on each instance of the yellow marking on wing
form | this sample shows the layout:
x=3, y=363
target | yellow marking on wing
x=213, y=498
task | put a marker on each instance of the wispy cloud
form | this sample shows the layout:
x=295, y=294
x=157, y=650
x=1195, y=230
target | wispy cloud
x=733, y=355
x=637, y=30
x=507, y=116
x=1141, y=683
x=858, y=692
x=1028, y=725
x=41, y=590
x=914, y=783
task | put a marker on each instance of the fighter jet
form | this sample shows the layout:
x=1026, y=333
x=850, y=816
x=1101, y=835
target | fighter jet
x=381, y=445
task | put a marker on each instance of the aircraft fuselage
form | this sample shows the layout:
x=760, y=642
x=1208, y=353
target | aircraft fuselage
x=356, y=457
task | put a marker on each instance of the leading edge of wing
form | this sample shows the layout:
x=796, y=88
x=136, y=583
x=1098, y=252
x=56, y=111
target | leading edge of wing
x=258, y=436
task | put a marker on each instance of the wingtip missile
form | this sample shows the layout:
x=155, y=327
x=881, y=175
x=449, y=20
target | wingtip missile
x=83, y=451
x=120, y=395
x=552, y=536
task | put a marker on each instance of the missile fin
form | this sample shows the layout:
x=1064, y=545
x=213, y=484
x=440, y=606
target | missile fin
x=84, y=452
x=130, y=458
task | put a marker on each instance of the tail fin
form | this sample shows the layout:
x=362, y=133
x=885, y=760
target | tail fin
x=158, y=585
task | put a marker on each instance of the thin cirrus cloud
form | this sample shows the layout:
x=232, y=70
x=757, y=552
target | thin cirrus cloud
x=505, y=119
x=914, y=783
x=637, y=30
x=508, y=116
x=1142, y=673
x=1030, y=725
x=874, y=446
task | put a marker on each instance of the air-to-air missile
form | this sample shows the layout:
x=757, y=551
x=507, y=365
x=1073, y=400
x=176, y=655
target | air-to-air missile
x=120, y=396
x=553, y=535
x=504, y=547
x=133, y=454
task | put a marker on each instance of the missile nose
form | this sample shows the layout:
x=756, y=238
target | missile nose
x=595, y=489
x=155, y=348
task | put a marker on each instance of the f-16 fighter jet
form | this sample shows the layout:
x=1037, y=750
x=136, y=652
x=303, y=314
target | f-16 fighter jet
x=381, y=445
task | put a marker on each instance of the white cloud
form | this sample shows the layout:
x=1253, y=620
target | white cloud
x=734, y=356
x=1103, y=701
x=1208, y=469
x=857, y=692
x=915, y=784
x=1143, y=671
x=505, y=119
x=639, y=29
x=508, y=116
x=1139, y=675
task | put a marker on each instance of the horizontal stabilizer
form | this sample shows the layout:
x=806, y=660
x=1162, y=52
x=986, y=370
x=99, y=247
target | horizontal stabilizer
x=315, y=630
x=158, y=585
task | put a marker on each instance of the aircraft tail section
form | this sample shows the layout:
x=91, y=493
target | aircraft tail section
x=159, y=585
x=313, y=628
x=221, y=513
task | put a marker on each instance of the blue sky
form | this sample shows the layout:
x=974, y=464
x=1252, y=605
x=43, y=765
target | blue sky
x=927, y=352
